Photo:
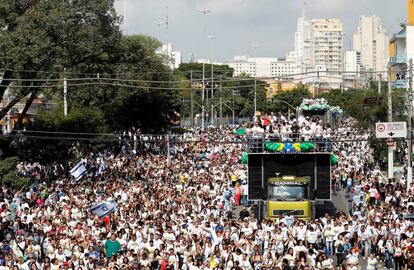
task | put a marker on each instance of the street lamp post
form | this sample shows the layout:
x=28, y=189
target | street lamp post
x=286, y=103
x=255, y=79
x=389, y=116
x=203, y=12
x=65, y=95
x=212, y=76
x=202, y=98
x=409, y=76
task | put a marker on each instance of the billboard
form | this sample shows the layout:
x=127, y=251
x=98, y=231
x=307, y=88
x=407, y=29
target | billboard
x=262, y=166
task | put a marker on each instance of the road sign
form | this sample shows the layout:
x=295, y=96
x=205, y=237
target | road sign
x=391, y=130
x=390, y=142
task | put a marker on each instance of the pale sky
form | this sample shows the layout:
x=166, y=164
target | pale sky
x=239, y=24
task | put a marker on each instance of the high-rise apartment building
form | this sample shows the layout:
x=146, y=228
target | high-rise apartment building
x=326, y=45
x=302, y=40
x=371, y=40
x=352, y=65
x=319, y=44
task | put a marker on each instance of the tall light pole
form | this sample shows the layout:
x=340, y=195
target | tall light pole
x=124, y=11
x=212, y=76
x=202, y=96
x=389, y=118
x=409, y=76
x=255, y=79
x=158, y=28
x=203, y=12
x=65, y=95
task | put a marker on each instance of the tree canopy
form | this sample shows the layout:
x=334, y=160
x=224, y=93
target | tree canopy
x=44, y=41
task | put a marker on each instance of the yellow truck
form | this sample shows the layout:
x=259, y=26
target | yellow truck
x=288, y=195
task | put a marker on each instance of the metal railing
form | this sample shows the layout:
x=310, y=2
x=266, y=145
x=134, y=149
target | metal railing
x=257, y=143
x=398, y=59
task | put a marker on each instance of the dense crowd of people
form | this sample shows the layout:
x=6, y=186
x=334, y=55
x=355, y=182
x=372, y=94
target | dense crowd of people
x=290, y=128
x=174, y=202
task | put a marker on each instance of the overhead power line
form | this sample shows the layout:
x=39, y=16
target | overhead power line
x=102, y=139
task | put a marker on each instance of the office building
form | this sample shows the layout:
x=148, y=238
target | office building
x=172, y=58
x=302, y=40
x=352, y=64
x=401, y=50
x=371, y=40
x=326, y=39
x=318, y=44
x=286, y=67
x=398, y=58
x=265, y=67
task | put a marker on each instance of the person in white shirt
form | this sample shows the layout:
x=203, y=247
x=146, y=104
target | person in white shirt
x=372, y=262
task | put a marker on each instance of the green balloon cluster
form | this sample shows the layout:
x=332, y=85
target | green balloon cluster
x=334, y=159
x=274, y=147
x=289, y=147
x=244, y=158
x=307, y=146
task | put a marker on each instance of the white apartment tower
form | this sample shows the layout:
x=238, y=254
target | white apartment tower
x=302, y=41
x=319, y=44
x=371, y=40
x=352, y=64
x=326, y=45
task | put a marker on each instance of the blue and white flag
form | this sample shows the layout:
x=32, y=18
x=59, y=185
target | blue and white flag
x=104, y=208
x=78, y=171
x=101, y=169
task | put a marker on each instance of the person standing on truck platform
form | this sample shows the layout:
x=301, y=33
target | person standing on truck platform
x=238, y=191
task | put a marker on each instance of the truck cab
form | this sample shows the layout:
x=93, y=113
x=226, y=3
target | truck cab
x=288, y=195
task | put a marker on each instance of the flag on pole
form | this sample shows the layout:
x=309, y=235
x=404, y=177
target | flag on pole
x=168, y=151
x=102, y=168
x=78, y=171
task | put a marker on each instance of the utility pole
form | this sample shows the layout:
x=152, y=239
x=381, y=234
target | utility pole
x=192, y=99
x=221, y=101
x=255, y=80
x=390, y=150
x=379, y=83
x=65, y=95
x=202, y=97
x=212, y=77
x=204, y=12
x=410, y=115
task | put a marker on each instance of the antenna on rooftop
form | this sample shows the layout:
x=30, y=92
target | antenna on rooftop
x=304, y=8
x=166, y=22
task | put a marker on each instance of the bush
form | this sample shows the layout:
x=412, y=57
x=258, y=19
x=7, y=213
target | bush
x=8, y=174
x=13, y=179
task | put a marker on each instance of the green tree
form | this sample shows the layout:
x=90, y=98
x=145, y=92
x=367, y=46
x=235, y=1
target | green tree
x=40, y=38
x=236, y=92
x=293, y=97
x=47, y=140
x=352, y=102
x=9, y=176
x=141, y=93
x=48, y=40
